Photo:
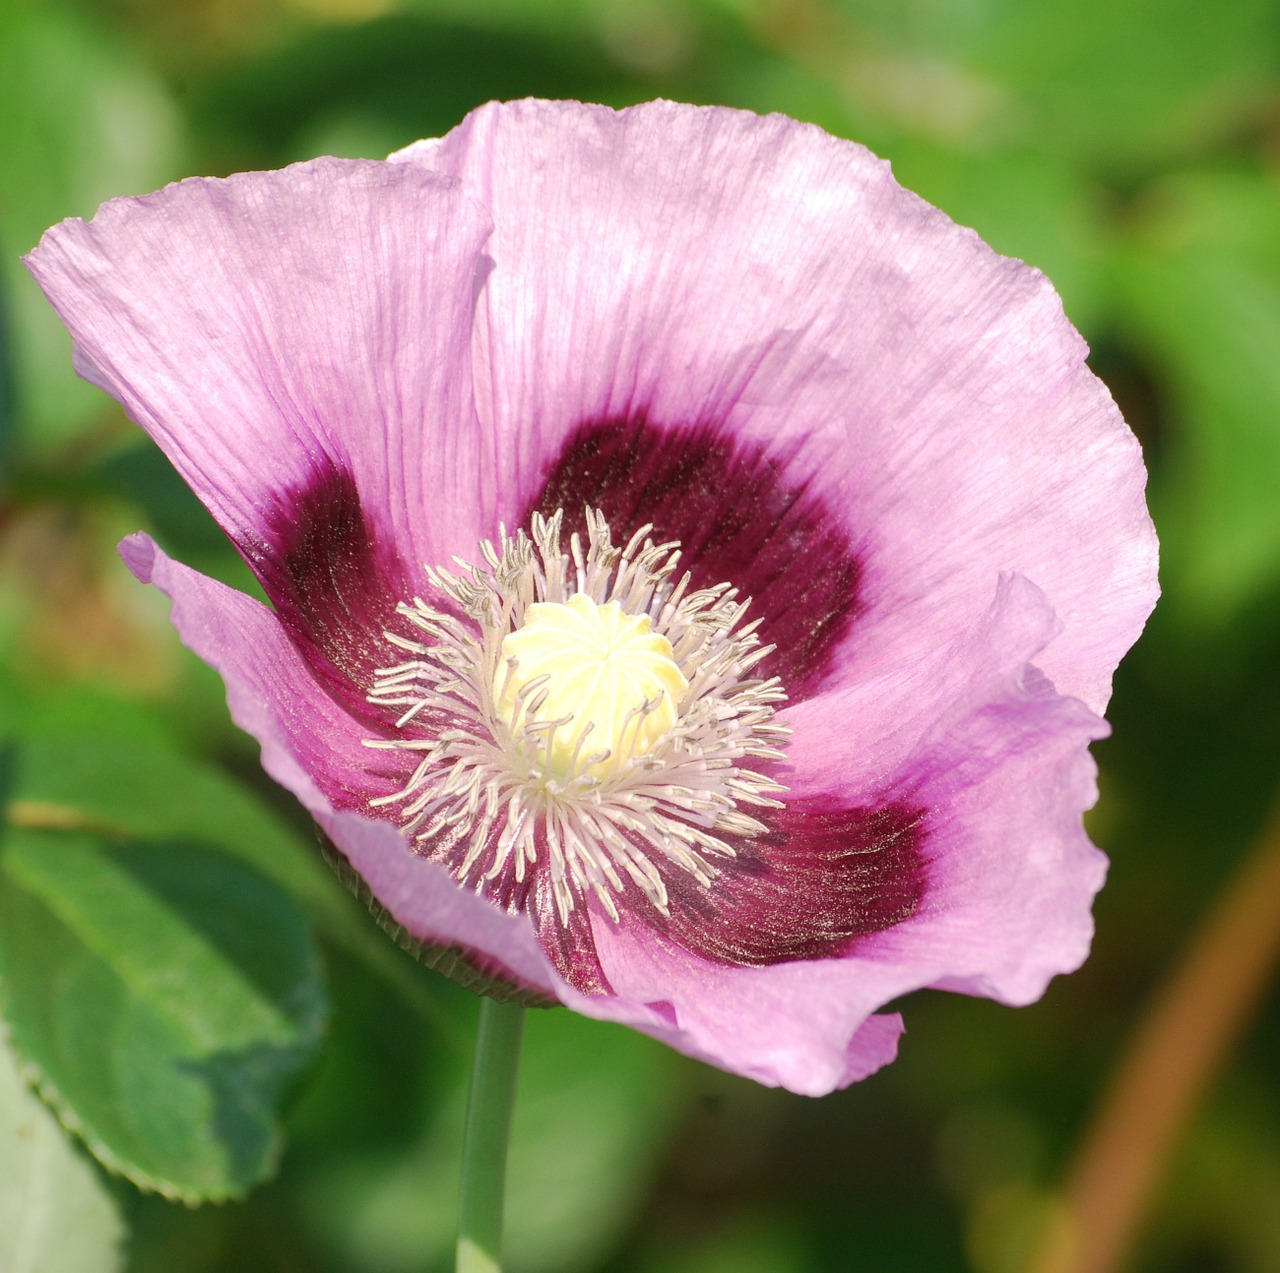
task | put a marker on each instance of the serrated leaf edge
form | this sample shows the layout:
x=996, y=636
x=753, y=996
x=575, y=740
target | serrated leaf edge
x=48, y=1091
x=29, y=1074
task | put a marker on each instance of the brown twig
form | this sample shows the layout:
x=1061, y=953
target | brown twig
x=1187, y=1033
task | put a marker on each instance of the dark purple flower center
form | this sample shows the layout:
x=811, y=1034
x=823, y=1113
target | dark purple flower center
x=822, y=874
x=739, y=517
x=334, y=582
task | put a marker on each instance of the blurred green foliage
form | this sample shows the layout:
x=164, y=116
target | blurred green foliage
x=1131, y=149
x=62, y=1216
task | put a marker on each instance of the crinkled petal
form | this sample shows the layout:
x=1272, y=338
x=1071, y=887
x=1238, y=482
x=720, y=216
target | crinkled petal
x=269, y=323
x=739, y=329
x=802, y=1026
x=738, y=516
x=999, y=764
x=313, y=748
x=979, y=738
x=1006, y=766
x=698, y=267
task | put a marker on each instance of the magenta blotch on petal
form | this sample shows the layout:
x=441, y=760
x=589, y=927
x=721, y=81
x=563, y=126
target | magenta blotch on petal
x=696, y=266
x=312, y=746
x=729, y=503
x=545, y=332
x=270, y=324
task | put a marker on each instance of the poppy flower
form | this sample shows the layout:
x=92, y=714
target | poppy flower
x=696, y=565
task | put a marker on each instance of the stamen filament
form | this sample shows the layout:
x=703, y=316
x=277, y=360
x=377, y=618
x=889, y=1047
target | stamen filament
x=499, y=789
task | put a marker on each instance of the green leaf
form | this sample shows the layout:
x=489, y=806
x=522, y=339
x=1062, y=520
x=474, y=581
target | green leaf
x=114, y=778
x=125, y=784
x=55, y=1214
x=166, y=995
x=1200, y=291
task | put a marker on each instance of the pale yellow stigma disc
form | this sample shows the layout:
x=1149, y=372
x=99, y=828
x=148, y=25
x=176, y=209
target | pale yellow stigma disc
x=602, y=666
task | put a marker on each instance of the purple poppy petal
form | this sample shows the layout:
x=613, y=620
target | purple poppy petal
x=311, y=747
x=334, y=582
x=1000, y=768
x=740, y=330
x=1000, y=761
x=737, y=518
x=270, y=325
x=707, y=268
x=1012, y=874
x=824, y=875
x=809, y=1027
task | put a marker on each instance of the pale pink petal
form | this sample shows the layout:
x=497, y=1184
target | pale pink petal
x=690, y=265
x=999, y=763
x=800, y=1026
x=263, y=325
x=743, y=331
x=312, y=747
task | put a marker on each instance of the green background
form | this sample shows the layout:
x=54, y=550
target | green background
x=196, y=998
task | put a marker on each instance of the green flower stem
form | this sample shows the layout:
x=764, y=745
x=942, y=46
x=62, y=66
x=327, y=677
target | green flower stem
x=484, y=1141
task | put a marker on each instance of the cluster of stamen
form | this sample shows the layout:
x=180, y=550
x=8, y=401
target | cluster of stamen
x=646, y=768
